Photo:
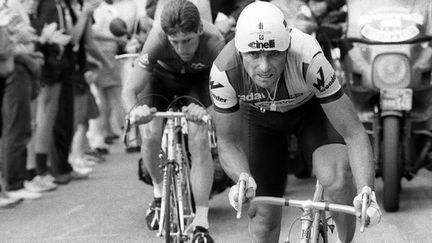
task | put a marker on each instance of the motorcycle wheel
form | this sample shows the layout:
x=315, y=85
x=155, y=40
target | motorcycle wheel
x=391, y=162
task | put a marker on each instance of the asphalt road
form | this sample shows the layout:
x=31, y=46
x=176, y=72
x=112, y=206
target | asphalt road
x=110, y=207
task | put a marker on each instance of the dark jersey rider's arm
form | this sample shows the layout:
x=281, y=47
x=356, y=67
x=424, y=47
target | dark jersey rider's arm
x=137, y=82
x=142, y=73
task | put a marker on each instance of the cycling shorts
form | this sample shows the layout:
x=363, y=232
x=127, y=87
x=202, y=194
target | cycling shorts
x=268, y=142
x=171, y=85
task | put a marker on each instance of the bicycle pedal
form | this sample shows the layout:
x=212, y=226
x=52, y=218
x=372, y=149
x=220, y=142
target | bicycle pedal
x=331, y=227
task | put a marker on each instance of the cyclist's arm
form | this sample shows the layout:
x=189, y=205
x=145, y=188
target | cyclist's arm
x=342, y=115
x=153, y=50
x=228, y=120
x=229, y=131
x=137, y=82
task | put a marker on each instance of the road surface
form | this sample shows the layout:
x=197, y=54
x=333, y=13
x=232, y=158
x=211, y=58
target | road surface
x=110, y=207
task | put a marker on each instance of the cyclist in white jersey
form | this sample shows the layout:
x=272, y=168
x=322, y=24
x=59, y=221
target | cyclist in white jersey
x=288, y=87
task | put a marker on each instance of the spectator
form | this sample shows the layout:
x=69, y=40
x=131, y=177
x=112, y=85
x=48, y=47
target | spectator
x=108, y=81
x=85, y=108
x=6, y=69
x=64, y=64
x=18, y=71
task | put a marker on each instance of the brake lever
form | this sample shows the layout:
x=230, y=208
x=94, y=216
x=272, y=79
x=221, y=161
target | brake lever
x=211, y=134
x=242, y=191
x=126, y=131
x=210, y=131
x=365, y=201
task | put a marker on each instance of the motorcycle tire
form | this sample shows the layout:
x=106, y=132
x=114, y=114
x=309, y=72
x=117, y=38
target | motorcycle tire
x=392, y=162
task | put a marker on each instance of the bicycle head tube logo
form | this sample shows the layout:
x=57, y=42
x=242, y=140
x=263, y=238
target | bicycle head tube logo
x=262, y=45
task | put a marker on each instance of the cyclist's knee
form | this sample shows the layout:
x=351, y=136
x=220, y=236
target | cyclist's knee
x=150, y=142
x=264, y=219
x=339, y=187
x=338, y=180
x=198, y=139
x=332, y=169
x=151, y=132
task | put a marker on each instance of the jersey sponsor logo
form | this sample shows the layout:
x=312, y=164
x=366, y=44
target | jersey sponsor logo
x=218, y=98
x=251, y=97
x=320, y=84
x=215, y=85
x=262, y=45
x=198, y=66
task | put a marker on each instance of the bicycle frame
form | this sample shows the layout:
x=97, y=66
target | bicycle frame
x=176, y=174
x=314, y=213
x=176, y=170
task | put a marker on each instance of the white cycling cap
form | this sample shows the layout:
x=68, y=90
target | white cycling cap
x=261, y=26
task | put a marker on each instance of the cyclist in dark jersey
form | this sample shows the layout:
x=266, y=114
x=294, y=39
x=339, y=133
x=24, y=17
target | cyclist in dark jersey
x=176, y=60
x=288, y=87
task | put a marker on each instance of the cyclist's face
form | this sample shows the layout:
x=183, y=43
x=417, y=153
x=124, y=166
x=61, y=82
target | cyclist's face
x=185, y=44
x=264, y=67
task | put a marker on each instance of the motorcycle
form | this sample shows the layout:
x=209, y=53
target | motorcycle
x=388, y=77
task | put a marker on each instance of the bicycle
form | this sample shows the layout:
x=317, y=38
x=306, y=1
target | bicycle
x=177, y=206
x=314, y=220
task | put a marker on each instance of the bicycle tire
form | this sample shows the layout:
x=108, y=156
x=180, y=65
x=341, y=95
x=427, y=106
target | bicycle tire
x=323, y=228
x=169, y=170
x=187, y=186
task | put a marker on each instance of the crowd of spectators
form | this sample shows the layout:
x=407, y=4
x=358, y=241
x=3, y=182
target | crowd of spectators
x=59, y=84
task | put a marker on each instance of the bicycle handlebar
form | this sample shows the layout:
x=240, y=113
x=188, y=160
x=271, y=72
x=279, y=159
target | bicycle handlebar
x=130, y=121
x=126, y=55
x=305, y=204
x=170, y=115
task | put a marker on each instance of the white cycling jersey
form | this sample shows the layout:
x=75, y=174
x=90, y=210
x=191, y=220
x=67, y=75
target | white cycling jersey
x=307, y=73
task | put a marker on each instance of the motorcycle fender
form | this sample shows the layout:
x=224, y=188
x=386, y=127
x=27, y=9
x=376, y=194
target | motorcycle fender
x=391, y=113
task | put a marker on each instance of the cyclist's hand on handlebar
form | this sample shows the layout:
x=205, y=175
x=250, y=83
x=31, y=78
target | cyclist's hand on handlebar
x=242, y=192
x=372, y=210
x=194, y=112
x=141, y=114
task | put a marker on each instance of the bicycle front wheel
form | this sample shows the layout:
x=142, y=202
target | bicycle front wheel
x=168, y=197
